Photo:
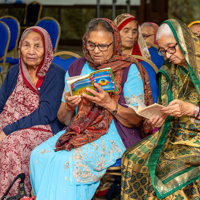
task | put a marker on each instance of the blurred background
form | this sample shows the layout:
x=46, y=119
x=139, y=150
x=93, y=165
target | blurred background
x=73, y=15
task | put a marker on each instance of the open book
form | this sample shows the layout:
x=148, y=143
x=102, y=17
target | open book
x=77, y=84
x=147, y=111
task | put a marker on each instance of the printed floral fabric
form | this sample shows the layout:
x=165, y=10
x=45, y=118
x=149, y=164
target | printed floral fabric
x=92, y=121
x=16, y=148
x=166, y=164
x=76, y=174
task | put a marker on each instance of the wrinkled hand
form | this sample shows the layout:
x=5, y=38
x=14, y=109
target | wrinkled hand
x=2, y=136
x=71, y=101
x=101, y=98
x=178, y=108
x=157, y=122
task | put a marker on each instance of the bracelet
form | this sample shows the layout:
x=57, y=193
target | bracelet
x=196, y=111
x=68, y=108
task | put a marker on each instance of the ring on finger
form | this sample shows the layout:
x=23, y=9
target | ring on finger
x=172, y=111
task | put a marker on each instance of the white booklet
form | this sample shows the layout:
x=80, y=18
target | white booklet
x=148, y=112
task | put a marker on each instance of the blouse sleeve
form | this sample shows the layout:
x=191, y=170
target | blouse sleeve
x=133, y=87
x=66, y=86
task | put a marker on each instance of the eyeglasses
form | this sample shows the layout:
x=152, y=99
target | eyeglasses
x=146, y=36
x=170, y=50
x=102, y=47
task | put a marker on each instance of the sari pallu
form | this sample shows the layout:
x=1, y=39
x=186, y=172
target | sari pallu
x=166, y=164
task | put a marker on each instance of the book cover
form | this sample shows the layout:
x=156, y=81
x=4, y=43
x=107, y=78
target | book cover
x=104, y=77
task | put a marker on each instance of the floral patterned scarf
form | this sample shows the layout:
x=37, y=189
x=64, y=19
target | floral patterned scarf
x=25, y=98
x=93, y=121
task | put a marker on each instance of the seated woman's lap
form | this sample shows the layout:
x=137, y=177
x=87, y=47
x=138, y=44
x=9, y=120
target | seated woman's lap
x=79, y=169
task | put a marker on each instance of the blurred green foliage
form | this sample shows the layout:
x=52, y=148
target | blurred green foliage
x=184, y=10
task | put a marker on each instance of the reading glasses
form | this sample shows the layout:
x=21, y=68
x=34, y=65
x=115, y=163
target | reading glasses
x=146, y=36
x=102, y=47
x=170, y=50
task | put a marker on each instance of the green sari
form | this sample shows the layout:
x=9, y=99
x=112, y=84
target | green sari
x=166, y=165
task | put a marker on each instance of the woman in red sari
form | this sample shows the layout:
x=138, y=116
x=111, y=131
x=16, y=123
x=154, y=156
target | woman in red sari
x=28, y=106
x=132, y=41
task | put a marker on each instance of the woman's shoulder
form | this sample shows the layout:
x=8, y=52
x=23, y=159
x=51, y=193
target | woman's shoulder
x=14, y=69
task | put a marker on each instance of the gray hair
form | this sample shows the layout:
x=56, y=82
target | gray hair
x=25, y=34
x=147, y=24
x=97, y=25
x=164, y=29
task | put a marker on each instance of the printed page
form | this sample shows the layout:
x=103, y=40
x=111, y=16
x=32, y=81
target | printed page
x=151, y=111
x=72, y=79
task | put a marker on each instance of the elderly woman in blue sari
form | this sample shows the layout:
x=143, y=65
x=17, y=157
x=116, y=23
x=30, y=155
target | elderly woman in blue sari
x=94, y=139
x=166, y=164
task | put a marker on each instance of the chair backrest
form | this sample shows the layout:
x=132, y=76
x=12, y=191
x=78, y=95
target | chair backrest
x=4, y=41
x=14, y=27
x=65, y=63
x=152, y=45
x=33, y=12
x=151, y=70
x=156, y=58
x=52, y=26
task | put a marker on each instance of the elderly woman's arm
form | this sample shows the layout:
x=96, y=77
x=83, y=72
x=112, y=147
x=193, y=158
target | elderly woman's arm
x=66, y=110
x=176, y=108
x=125, y=116
x=50, y=94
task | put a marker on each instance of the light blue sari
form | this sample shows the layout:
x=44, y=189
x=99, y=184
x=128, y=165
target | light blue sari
x=76, y=174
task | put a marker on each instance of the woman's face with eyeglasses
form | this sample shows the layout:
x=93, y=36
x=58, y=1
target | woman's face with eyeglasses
x=148, y=34
x=195, y=29
x=169, y=46
x=100, y=45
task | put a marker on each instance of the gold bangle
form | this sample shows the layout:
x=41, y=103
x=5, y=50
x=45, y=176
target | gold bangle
x=68, y=108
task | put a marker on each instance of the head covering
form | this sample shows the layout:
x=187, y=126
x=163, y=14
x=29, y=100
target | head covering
x=93, y=121
x=140, y=47
x=47, y=58
x=190, y=46
x=25, y=98
x=170, y=85
x=194, y=22
x=155, y=27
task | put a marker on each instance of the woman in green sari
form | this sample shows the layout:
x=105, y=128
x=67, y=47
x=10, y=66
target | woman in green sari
x=166, y=165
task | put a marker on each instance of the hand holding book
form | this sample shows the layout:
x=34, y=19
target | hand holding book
x=77, y=84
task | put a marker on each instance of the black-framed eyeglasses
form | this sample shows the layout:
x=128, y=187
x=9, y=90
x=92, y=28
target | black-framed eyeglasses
x=170, y=50
x=102, y=47
x=146, y=36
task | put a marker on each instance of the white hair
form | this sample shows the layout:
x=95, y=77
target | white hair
x=165, y=30
x=146, y=24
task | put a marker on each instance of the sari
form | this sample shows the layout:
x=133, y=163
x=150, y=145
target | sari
x=140, y=47
x=166, y=164
x=15, y=149
x=84, y=150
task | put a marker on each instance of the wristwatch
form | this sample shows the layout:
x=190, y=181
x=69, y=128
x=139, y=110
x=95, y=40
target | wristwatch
x=115, y=111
